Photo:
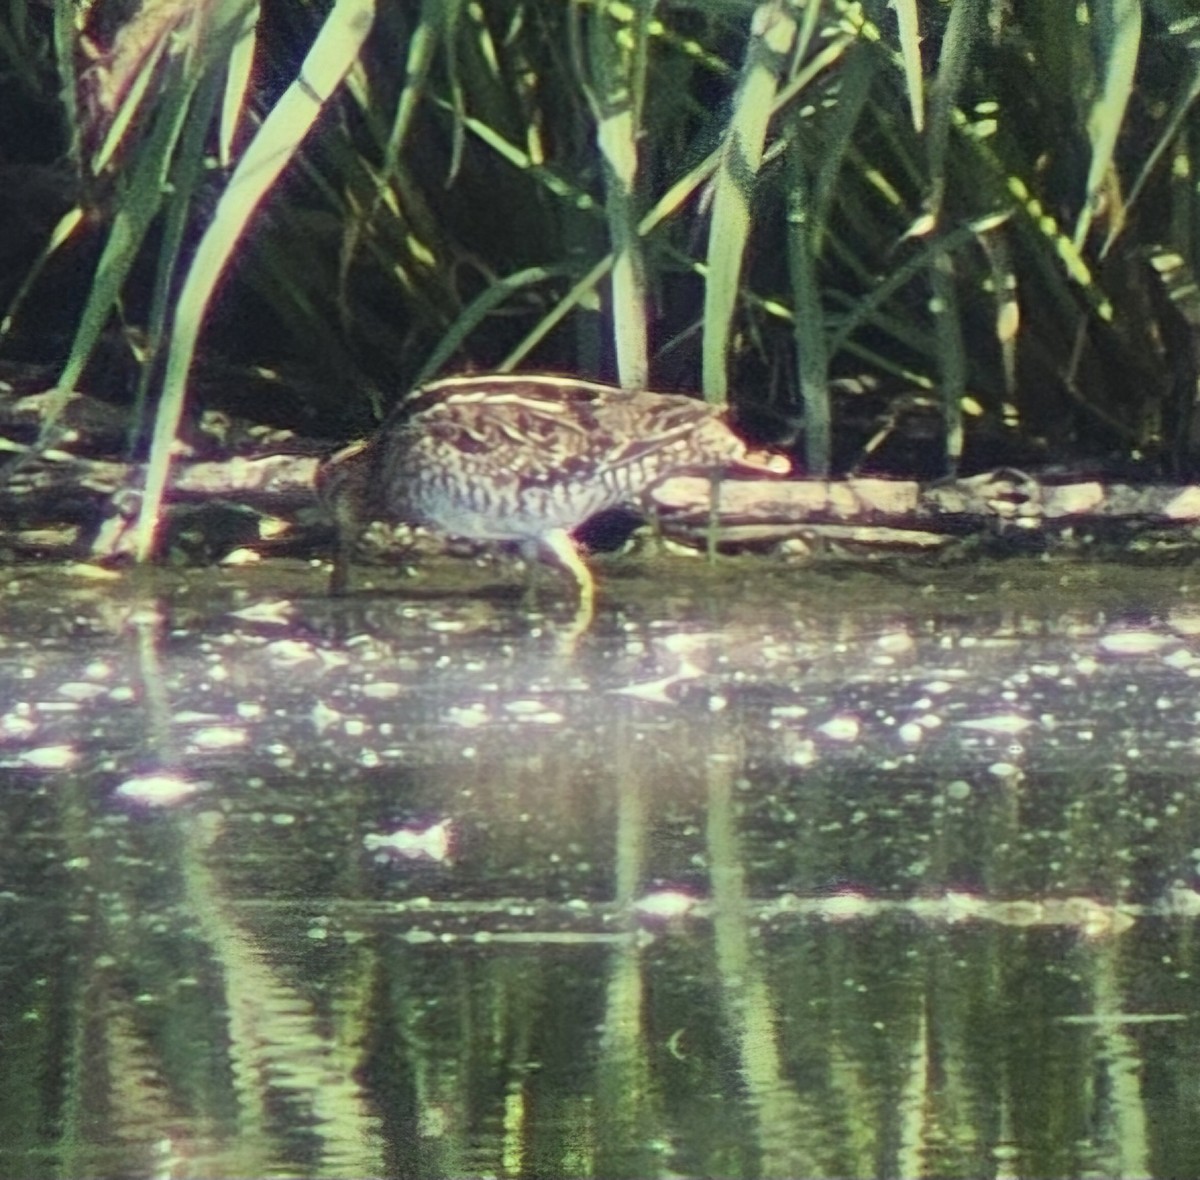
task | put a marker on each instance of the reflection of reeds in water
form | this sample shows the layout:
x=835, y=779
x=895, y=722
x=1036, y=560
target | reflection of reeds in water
x=627, y=1101
x=282, y=1055
x=512, y=1035
x=525, y=1006
x=139, y=1105
x=787, y=1126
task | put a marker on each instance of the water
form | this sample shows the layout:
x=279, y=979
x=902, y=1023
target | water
x=768, y=875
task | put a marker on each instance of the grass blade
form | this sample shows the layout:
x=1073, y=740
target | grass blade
x=910, y=50
x=237, y=84
x=772, y=33
x=811, y=344
x=332, y=55
x=1119, y=36
x=618, y=54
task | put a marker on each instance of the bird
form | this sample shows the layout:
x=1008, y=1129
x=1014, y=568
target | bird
x=526, y=458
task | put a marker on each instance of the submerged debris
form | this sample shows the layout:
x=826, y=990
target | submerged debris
x=158, y=789
x=433, y=842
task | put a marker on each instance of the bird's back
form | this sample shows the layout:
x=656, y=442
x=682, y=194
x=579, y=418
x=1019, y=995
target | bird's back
x=510, y=457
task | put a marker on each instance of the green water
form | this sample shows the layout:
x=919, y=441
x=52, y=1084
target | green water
x=766, y=876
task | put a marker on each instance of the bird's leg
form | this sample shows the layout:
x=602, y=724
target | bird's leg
x=348, y=530
x=561, y=544
x=342, y=485
x=714, y=515
x=339, y=576
x=654, y=519
x=533, y=562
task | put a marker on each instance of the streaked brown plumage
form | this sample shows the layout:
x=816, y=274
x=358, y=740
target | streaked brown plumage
x=524, y=458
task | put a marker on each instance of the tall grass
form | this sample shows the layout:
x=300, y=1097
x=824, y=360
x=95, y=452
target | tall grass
x=817, y=210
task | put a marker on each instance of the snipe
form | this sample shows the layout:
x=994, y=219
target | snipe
x=524, y=458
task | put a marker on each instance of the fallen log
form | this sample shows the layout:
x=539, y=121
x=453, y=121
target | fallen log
x=225, y=495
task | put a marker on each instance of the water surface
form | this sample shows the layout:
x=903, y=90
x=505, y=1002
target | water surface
x=770, y=874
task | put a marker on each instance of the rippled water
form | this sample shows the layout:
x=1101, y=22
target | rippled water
x=766, y=875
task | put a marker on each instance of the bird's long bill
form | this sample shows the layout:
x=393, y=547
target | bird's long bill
x=771, y=462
